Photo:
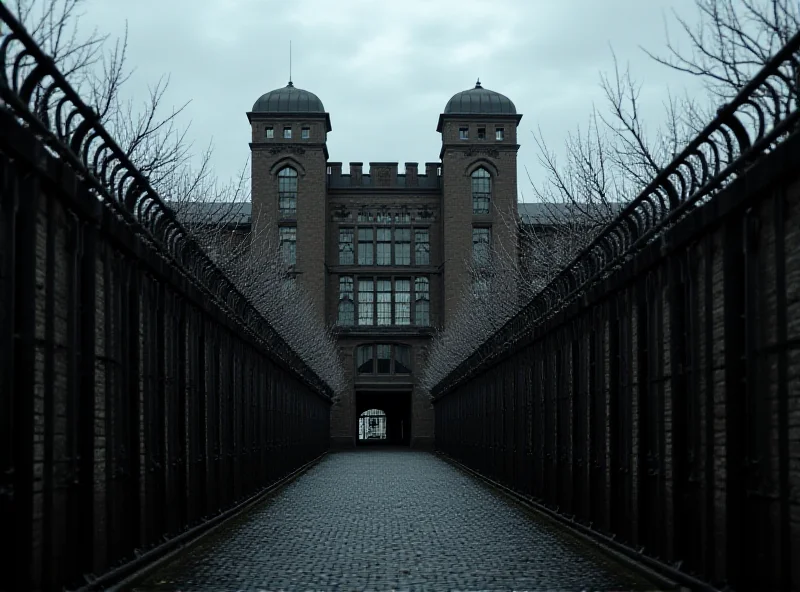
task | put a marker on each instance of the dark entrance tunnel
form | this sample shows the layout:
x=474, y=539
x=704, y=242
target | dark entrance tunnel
x=384, y=418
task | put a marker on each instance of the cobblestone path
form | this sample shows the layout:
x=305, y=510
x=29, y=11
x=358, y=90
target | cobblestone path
x=382, y=519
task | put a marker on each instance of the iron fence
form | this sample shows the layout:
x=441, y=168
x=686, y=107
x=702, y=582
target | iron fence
x=140, y=392
x=651, y=391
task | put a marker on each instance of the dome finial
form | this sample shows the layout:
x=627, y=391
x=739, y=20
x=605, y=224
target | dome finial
x=290, y=64
x=478, y=84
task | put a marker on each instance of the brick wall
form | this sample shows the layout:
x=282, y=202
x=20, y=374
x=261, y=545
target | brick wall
x=459, y=159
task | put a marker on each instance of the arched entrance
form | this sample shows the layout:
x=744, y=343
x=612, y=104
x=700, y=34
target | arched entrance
x=383, y=417
x=372, y=425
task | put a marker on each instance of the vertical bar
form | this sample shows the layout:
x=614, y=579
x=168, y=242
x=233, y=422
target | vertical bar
x=643, y=342
x=616, y=520
x=27, y=196
x=784, y=486
x=86, y=405
x=50, y=555
x=735, y=396
x=710, y=473
x=133, y=409
x=8, y=198
x=182, y=496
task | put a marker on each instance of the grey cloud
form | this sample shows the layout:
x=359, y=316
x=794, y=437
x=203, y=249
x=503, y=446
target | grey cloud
x=385, y=70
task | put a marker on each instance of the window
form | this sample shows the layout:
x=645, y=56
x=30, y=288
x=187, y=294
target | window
x=422, y=303
x=422, y=247
x=346, y=304
x=402, y=302
x=384, y=359
x=384, y=302
x=402, y=246
x=463, y=133
x=287, y=192
x=383, y=256
x=481, y=133
x=288, y=240
x=270, y=133
x=481, y=191
x=287, y=133
x=364, y=359
x=480, y=246
x=402, y=359
x=365, y=246
x=305, y=133
x=345, y=246
x=499, y=133
x=366, y=299
x=480, y=287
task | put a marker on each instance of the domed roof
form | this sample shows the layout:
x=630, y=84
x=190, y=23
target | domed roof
x=480, y=101
x=288, y=100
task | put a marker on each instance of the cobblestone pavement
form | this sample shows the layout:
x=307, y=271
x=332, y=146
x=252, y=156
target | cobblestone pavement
x=389, y=520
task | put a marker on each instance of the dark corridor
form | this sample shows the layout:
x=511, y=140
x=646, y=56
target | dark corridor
x=394, y=428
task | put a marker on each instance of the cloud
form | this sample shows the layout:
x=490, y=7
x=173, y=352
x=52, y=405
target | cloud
x=385, y=70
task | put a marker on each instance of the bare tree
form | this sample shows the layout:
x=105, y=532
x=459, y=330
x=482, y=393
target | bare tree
x=217, y=214
x=96, y=66
x=732, y=40
x=609, y=161
x=254, y=261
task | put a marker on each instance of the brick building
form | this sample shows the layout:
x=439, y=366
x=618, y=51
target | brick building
x=385, y=253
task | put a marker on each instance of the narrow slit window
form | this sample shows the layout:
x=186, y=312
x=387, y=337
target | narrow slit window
x=384, y=358
x=365, y=246
x=366, y=302
x=345, y=246
x=346, y=311
x=288, y=240
x=383, y=246
x=402, y=246
x=422, y=247
x=287, y=192
x=402, y=302
x=364, y=359
x=481, y=191
x=422, y=302
x=384, y=302
x=402, y=359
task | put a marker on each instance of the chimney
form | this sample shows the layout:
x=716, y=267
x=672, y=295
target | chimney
x=335, y=169
x=431, y=169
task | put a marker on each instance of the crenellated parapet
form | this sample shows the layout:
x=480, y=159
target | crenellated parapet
x=384, y=175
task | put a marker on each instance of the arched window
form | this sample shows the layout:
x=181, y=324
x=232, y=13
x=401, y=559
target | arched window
x=347, y=305
x=481, y=191
x=422, y=302
x=287, y=192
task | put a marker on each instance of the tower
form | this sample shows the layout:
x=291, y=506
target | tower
x=479, y=185
x=289, y=161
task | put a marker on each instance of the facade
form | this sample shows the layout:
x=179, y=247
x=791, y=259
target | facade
x=385, y=253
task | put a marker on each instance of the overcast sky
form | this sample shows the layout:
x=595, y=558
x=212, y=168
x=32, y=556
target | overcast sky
x=384, y=69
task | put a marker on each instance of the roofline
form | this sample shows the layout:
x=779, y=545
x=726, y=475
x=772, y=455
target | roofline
x=473, y=116
x=263, y=115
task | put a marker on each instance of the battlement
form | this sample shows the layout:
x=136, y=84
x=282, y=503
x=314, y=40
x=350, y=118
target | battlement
x=384, y=175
